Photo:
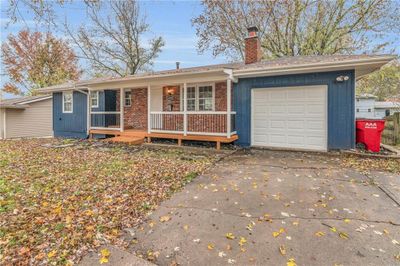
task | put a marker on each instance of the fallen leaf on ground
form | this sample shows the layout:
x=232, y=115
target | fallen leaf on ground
x=343, y=235
x=242, y=241
x=210, y=246
x=230, y=236
x=105, y=252
x=319, y=233
x=103, y=260
x=291, y=262
x=276, y=234
x=282, y=250
x=51, y=253
x=165, y=218
x=221, y=254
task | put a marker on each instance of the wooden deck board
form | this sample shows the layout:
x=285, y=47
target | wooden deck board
x=127, y=140
x=135, y=135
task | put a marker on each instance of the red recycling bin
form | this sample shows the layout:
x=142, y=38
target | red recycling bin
x=369, y=133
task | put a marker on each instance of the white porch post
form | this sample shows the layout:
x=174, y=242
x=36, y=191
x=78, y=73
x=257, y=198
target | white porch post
x=228, y=108
x=121, y=109
x=184, y=109
x=89, y=110
x=148, y=110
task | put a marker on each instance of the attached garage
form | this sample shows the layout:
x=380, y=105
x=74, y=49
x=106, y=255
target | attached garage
x=290, y=117
x=309, y=111
x=26, y=117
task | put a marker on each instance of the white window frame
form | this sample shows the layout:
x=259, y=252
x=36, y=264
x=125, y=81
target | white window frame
x=130, y=98
x=196, y=86
x=72, y=102
x=97, y=99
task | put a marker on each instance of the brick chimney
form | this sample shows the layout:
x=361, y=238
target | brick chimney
x=252, y=46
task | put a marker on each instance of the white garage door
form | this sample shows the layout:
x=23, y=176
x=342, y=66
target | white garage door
x=290, y=117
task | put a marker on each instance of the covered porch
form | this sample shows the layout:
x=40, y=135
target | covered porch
x=200, y=111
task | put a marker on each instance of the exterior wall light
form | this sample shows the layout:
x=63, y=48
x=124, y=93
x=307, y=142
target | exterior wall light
x=342, y=78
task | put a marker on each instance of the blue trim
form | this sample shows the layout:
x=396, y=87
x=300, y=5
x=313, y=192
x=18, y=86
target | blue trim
x=341, y=101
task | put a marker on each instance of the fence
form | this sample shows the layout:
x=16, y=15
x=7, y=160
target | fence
x=391, y=133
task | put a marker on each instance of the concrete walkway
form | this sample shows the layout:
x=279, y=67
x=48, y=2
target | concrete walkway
x=302, y=205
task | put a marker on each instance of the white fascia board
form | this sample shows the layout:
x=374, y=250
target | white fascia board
x=196, y=78
x=36, y=100
x=153, y=77
x=320, y=67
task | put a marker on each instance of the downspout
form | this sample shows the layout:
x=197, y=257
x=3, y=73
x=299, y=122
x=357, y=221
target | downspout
x=87, y=107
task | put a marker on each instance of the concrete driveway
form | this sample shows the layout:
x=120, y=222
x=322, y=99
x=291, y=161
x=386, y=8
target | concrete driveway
x=270, y=208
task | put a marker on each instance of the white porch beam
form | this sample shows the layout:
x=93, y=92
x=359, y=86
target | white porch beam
x=185, y=108
x=228, y=108
x=121, y=109
x=230, y=73
x=148, y=109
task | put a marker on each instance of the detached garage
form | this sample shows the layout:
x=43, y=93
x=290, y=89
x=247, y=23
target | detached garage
x=26, y=117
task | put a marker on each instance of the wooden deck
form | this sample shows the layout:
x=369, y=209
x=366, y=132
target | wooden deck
x=138, y=136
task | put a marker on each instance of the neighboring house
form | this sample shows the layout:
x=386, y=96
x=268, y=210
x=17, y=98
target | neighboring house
x=26, y=117
x=365, y=106
x=304, y=102
x=383, y=109
x=368, y=107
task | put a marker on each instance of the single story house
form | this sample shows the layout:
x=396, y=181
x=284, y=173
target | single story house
x=368, y=107
x=29, y=116
x=302, y=102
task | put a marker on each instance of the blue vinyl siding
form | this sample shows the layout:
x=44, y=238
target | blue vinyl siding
x=341, y=124
x=70, y=125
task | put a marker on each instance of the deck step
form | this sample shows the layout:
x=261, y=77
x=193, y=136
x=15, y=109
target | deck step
x=128, y=140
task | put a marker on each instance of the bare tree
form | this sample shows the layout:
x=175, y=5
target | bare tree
x=296, y=27
x=114, y=44
x=43, y=11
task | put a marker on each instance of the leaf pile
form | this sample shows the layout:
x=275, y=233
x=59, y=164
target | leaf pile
x=58, y=203
x=367, y=164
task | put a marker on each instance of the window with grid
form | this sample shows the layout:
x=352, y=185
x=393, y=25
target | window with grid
x=94, y=98
x=128, y=98
x=205, y=98
x=200, y=98
x=67, y=102
x=191, y=98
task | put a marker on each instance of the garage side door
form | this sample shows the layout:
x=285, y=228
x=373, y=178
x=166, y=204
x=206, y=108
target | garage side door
x=290, y=117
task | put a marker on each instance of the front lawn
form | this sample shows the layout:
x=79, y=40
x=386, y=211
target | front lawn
x=57, y=202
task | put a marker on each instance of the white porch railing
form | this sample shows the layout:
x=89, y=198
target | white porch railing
x=194, y=123
x=105, y=120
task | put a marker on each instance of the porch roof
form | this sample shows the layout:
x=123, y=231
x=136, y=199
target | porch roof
x=363, y=64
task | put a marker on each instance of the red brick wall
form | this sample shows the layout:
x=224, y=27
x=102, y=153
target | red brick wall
x=135, y=116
